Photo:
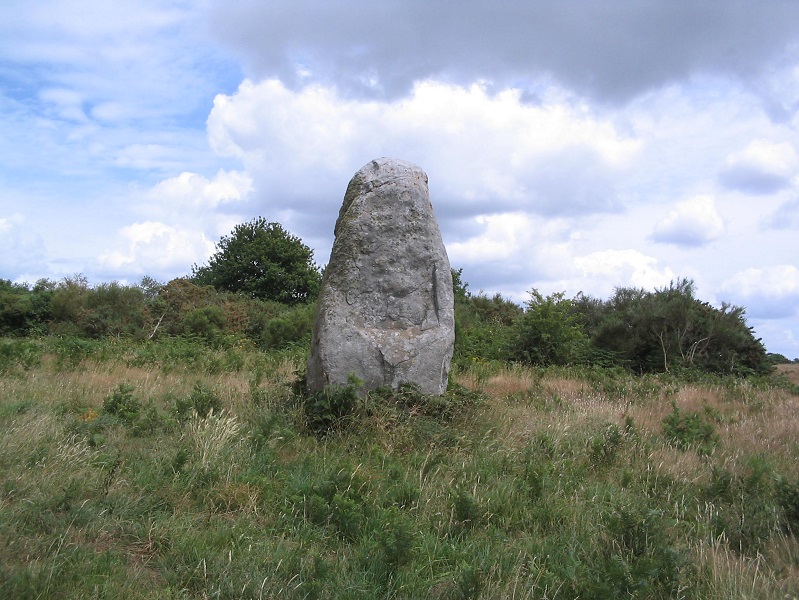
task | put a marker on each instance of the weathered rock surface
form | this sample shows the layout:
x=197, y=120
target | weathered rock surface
x=386, y=306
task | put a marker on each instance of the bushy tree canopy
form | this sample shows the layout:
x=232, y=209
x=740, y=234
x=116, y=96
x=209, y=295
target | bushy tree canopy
x=670, y=328
x=24, y=310
x=484, y=326
x=644, y=331
x=264, y=261
x=549, y=332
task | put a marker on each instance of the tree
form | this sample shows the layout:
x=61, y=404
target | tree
x=263, y=260
x=549, y=332
x=670, y=328
x=460, y=289
x=15, y=308
x=484, y=326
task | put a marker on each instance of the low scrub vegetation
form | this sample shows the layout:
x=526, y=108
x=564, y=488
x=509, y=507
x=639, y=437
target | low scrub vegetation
x=663, y=331
x=186, y=467
x=668, y=330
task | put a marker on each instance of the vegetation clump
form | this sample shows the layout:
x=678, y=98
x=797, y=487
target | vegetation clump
x=262, y=260
x=690, y=429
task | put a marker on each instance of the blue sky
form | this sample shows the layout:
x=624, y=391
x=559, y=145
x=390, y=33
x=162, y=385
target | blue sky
x=570, y=146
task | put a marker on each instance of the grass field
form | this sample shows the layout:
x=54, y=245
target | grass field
x=169, y=470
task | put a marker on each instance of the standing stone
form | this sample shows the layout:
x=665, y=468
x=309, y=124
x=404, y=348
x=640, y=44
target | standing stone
x=386, y=307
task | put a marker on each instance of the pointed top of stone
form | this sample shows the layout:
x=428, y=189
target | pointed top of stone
x=378, y=173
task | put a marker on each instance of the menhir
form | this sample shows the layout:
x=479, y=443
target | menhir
x=385, y=309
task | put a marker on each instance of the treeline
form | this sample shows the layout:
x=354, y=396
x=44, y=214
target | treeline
x=261, y=284
x=148, y=310
x=665, y=330
x=642, y=331
x=258, y=287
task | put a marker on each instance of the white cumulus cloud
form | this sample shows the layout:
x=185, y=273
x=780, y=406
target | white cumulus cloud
x=605, y=269
x=185, y=219
x=762, y=167
x=768, y=292
x=194, y=190
x=489, y=152
x=152, y=248
x=21, y=249
x=692, y=222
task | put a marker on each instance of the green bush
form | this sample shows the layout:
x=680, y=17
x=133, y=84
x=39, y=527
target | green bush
x=749, y=506
x=406, y=400
x=71, y=351
x=18, y=309
x=108, y=309
x=115, y=310
x=262, y=260
x=466, y=509
x=206, y=322
x=639, y=558
x=332, y=408
x=202, y=400
x=18, y=353
x=469, y=583
x=122, y=403
x=549, y=333
x=670, y=329
x=337, y=500
x=788, y=500
x=147, y=422
x=484, y=327
x=292, y=325
x=689, y=430
x=604, y=448
x=394, y=549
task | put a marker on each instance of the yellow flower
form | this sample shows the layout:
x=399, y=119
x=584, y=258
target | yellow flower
x=89, y=416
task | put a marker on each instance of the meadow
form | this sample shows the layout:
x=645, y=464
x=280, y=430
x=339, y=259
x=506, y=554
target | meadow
x=171, y=469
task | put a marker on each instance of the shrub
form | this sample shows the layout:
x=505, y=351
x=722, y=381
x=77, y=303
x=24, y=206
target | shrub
x=109, y=309
x=121, y=403
x=470, y=582
x=293, y=325
x=689, y=430
x=407, y=401
x=748, y=504
x=638, y=559
x=465, y=509
x=202, y=401
x=332, y=408
x=147, y=422
x=788, y=499
x=206, y=322
x=262, y=260
x=395, y=540
x=670, y=329
x=71, y=351
x=22, y=353
x=550, y=332
x=338, y=500
x=604, y=447
x=115, y=310
x=16, y=308
x=484, y=326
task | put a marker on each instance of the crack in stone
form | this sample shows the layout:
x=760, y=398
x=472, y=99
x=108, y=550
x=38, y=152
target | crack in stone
x=435, y=292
